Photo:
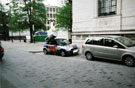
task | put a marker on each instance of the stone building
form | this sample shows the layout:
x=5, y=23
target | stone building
x=103, y=17
x=51, y=11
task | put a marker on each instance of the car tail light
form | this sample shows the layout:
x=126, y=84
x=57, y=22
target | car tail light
x=82, y=46
x=2, y=49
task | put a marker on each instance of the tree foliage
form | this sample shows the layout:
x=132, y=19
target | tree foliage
x=64, y=17
x=15, y=17
x=36, y=14
x=3, y=16
x=3, y=22
x=31, y=15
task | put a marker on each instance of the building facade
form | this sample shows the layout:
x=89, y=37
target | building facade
x=51, y=11
x=103, y=17
x=51, y=21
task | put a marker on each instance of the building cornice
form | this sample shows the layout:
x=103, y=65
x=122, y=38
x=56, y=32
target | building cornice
x=104, y=32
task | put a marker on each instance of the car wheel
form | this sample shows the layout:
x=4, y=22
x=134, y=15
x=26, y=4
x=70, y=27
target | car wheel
x=129, y=61
x=88, y=56
x=45, y=51
x=62, y=53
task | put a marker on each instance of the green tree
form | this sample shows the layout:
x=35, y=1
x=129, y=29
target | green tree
x=35, y=16
x=15, y=17
x=64, y=17
x=3, y=22
x=31, y=15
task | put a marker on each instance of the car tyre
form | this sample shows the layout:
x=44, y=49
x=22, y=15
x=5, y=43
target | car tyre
x=129, y=61
x=88, y=56
x=62, y=53
x=45, y=51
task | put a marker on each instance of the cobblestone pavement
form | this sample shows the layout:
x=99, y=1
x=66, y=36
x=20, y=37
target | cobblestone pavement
x=4, y=83
x=25, y=69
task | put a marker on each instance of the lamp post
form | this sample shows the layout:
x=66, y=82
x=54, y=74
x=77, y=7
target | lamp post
x=10, y=18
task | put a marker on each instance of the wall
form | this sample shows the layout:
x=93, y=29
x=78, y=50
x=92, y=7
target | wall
x=86, y=21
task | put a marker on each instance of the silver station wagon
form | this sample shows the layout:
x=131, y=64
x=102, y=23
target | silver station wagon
x=110, y=47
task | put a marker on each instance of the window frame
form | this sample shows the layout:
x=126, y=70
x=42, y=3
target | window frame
x=103, y=7
x=115, y=44
x=95, y=41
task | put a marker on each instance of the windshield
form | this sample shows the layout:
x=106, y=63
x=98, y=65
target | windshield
x=63, y=42
x=126, y=41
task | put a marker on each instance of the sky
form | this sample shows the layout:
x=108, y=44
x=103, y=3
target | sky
x=54, y=2
x=46, y=2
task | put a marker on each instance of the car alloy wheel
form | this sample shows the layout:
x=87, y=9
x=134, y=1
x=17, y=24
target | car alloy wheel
x=88, y=56
x=129, y=61
x=62, y=53
x=45, y=51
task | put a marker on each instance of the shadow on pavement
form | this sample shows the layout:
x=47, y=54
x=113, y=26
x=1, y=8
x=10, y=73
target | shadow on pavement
x=5, y=83
x=108, y=61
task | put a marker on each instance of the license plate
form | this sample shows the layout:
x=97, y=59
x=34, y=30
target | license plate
x=75, y=51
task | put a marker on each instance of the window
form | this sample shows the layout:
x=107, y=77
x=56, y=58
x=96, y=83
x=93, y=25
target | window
x=53, y=9
x=47, y=9
x=47, y=15
x=89, y=41
x=126, y=41
x=51, y=15
x=96, y=41
x=111, y=43
x=107, y=7
x=53, y=42
x=62, y=42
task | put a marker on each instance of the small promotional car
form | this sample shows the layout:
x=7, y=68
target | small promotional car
x=60, y=46
x=1, y=51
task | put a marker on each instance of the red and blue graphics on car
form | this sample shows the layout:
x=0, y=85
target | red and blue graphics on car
x=50, y=47
x=58, y=45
